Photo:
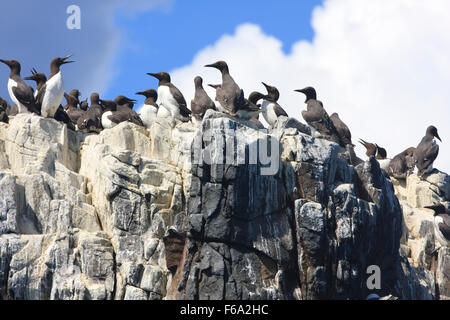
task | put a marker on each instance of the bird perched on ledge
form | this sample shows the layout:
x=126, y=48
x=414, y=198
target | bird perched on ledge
x=427, y=151
x=201, y=102
x=271, y=110
x=229, y=95
x=149, y=111
x=51, y=94
x=21, y=94
x=171, y=98
x=441, y=223
x=316, y=116
x=402, y=164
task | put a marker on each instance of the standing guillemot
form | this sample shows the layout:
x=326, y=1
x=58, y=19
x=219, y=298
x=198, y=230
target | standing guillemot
x=427, y=151
x=229, y=95
x=52, y=93
x=342, y=130
x=441, y=224
x=125, y=111
x=71, y=107
x=171, y=98
x=402, y=164
x=108, y=119
x=149, y=111
x=40, y=80
x=271, y=110
x=374, y=150
x=250, y=110
x=201, y=102
x=316, y=116
x=91, y=121
x=21, y=94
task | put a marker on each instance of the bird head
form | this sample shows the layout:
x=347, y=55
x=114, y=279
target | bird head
x=163, y=77
x=95, y=97
x=60, y=61
x=309, y=92
x=432, y=130
x=272, y=93
x=150, y=93
x=219, y=65
x=254, y=97
x=198, y=81
x=12, y=64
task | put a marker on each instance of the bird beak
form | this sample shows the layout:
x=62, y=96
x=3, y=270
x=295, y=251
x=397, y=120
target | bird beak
x=65, y=59
x=140, y=93
x=211, y=65
x=28, y=78
x=155, y=75
x=5, y=62
x=437, y=136
x=265, y=85
x=300, y=90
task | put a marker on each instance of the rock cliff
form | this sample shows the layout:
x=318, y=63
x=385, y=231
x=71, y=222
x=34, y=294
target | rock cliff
x=220, y=211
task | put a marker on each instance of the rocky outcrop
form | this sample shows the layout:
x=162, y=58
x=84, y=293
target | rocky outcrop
x=419, y=245
x=220, y=211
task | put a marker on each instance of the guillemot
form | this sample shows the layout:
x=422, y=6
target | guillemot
x=342, y=130
x=316, y=116
x=427, y=151
x=201, y=102
x=219, y=107
x=52, y=93
x=229, y=94
x=171, y=98
x=271, y=110
x=149, y=111
x=91, y=121
x=124, y=111
x=441, y=223
x=21, y=94
x=402, y=164
x=71, y=107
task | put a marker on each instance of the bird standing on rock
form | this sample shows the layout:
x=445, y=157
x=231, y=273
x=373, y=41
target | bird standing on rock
x=427, y=151
x=229, y=95
x=201, y=102
x=402, y=164
x=51, y=94
x=171, y=98
x=125, y=111
x=271, y=110
x=71, y=108
x=316, y=116
x=149, y=111
x=21, y=94
x=345, y=136
x=91, y=121
x=441, y=223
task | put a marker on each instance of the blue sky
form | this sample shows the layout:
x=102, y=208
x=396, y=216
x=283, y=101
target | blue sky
x=168, y=37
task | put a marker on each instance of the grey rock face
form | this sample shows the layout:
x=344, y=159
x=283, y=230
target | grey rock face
x=138, y=214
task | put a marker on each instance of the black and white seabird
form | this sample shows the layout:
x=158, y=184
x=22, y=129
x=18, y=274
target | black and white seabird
x=342, y=130
x=427, y=151
x=149, y=111
x=21, y=94
x=52, y=93
x=110, y=119
x=441, y=223
x=125, y=111
x=271, y=110
x=40, y=80
x=171, y=98
x=316, y=116
x=201, y=102
x=91, y=121
x=71, y=107
x=251, y=109
x=374, y=150
x=402, y=164
x=3, y=111
x=229, y=95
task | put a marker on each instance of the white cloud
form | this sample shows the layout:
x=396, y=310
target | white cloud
x=384, y=66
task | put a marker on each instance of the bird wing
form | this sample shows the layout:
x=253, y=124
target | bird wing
x=279, y=111
x=24, y=95
x=429, y=156
x=398, y=165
